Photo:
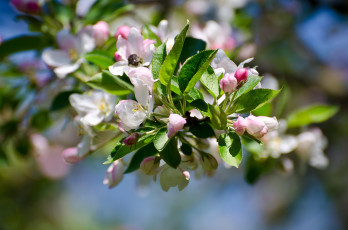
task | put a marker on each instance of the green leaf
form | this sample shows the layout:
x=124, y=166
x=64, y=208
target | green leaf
x=254, y=99
x=23, y=43
x=194, y=94
x=211, y=82
x=230, y=149
x=202, y=130
x=249, y=85
x=218, y=117
x=170, y=153
x=311, y=114
x=265, y=110
x=191, y=47
x=186, y=149
x=100, y=59
x=200, y=104
x=122, y=150
x=194, y=68
x=61, y=101
x=41, y=120
x=149, y=34
x=139, y=156
x=255, y=168
x=110, y=83
x=161, y=139
x=169, y=64
x=157, y=60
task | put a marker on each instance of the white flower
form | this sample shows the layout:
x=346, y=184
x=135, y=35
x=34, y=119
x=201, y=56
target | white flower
x=114, y=174
x=69, y=57
x=171, y=177
x=162, y=31
x=93, y=107
x=132, y=52
x=311, y=146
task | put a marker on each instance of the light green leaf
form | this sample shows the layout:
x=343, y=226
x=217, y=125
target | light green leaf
x=169, y=64
x=100, y=59
x=218, y=117
x=211, y=82
x=170, y=153
x=161, y=139
x=249, y=85
x=110, y=83
x=230, y=149
x=311, y=114
x=254, y=99
x=158, y=59
x=194, y=68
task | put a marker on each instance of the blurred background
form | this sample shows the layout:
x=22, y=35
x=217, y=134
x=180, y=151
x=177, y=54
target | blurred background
x=303, y=44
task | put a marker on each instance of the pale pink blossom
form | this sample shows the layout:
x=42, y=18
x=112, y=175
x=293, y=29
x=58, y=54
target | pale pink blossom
x=228, y=83
x=239, y=126
x=114, y=174
x=122, y=31
x=171, y=177
x=150, y=165
x=70, y=155
x=255, y=127
x=100, y=32
x=132, y=139
x=176, y=123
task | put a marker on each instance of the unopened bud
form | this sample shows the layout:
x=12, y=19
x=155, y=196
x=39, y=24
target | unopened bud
x=132, y=139
x=228, y=83
x=241, y=75
x=114, y=174
x=118, y=57
x=209, y=162
x=123, y=31
x=176, y=123
x=27, y=6
x=239, y=126
x=100, y=32
x=150, y=165
x=70, y=155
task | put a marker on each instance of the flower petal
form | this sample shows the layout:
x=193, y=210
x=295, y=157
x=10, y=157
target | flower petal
x=119, y=68
x=64, y=70
x=56, y=58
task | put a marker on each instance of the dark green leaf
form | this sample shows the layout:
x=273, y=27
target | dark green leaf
x=139, y=156
x=202, y=130
x=255, y=168
x=191, y=47
x=41, y=120
x=161, y=139
x=311, y=114
x=254, y=99
x=230, y=149
x=170, y=153
x=200, y=104
x=186, y=149
x=169, y=64
x=110, y=83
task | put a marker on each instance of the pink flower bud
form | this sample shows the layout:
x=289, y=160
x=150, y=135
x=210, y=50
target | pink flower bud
x=241, y=74
x=117, y=57
x=150, y=165
x=123, y=31
x=228, y=83
x=114, y=174
x=70, y=155
x=132, y=139
x=239, y=126
x=100, y=32
x=27, y=6
x=256, y=127
x=176, y=122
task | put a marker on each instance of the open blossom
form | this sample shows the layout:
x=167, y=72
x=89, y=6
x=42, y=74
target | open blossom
x=114, y=174
x=133, y=113
x=150, y=165
x=255, y=126
x=222, y=65
x=176, y=123
x=171, y=177
x=217, y=36
x=162, y=31
x=93, y=107
x=28, y=6
x=311, y=145
x=132, y=52
x=68, y=57
x=228, y=83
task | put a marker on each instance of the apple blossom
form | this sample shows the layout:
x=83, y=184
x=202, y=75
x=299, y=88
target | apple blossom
x=171, y=177
x=150, y=165
x=132, y=139
x=240, y=126
x=100, y=32
x=134, y=52
x=69, y=57
x=175, y=124
x=93, y=107
x=122, y=31
x=70, y=155
x=228, y=83
x=241, y=74
x=114, y=174
x=208, y=162
x=255, y=126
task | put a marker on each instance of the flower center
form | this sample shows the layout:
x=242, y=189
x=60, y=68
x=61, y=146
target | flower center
x=73, y=54
x=102, y=106
x=137, y=107
x=134, y=60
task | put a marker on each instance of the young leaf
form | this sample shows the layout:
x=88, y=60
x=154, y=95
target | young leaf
x=170, y=153
x=149, y=34
x=211, y=82
x=254, y=99
x=161, y=139
x=230, y=149
x=217, y=117
x=157, y=60
x=202, y=130
x=139, y=156
x=110, y=83
x=311, y=114
x=100, y=59
x=249, y=85
x=194, y=68
x=121, y=149
x=169, y=64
